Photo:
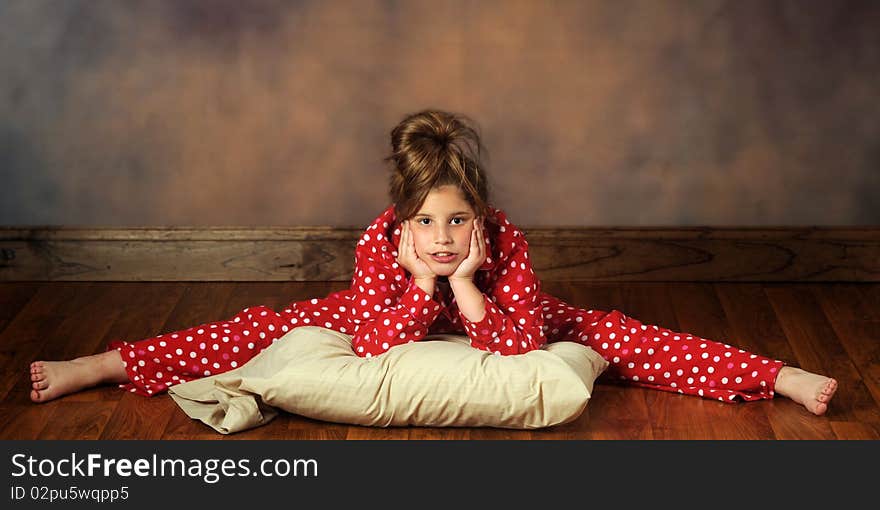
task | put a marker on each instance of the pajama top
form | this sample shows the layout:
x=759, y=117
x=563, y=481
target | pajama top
x=383, y=307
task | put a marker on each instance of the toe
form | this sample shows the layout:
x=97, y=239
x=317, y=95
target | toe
x=40, y=385
x=35, y=395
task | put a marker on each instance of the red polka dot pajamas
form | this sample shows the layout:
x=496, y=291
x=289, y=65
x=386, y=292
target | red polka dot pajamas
x=383, y=307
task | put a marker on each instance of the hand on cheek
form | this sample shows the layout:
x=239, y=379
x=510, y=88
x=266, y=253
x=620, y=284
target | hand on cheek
x=476, y=254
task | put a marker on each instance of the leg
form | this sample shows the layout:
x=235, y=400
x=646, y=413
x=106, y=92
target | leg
x=52, y=379
x=663, y=359
x=149, y=366
x=659, y=358
x=156, y=363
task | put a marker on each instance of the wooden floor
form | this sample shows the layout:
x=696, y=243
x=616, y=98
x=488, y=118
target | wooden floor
x=829, y=328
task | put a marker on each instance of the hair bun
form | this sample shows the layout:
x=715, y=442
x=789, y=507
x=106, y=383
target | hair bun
x=432, y=148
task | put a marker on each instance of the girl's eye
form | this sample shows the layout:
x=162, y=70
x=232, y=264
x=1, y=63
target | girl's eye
x=428, y=219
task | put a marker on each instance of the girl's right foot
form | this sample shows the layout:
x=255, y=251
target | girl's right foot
x=53, y=379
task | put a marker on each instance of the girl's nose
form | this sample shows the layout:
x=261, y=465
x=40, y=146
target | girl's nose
x=442, y=236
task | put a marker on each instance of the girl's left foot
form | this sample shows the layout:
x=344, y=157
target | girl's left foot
x=813, y=391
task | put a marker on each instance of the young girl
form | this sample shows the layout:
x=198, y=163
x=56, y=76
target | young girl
x=440, y=259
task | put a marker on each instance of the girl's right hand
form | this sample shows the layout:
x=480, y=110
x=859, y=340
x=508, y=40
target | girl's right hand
x=408, y=258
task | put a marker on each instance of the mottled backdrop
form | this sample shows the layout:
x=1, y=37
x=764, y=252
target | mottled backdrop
x=624, y=113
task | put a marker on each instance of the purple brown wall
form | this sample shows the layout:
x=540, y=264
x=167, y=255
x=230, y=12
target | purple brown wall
x=618, y=113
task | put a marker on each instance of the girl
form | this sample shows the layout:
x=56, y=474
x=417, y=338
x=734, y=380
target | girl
x=440, y=259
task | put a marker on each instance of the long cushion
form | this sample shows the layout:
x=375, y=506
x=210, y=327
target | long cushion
x=440, y=381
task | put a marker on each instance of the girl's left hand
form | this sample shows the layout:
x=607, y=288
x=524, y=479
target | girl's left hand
x=476, y=255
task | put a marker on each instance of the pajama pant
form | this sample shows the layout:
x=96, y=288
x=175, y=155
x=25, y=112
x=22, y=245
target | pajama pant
x=639, y=354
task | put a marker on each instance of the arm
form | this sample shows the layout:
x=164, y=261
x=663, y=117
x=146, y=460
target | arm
x=509, y=320
x=388, y=310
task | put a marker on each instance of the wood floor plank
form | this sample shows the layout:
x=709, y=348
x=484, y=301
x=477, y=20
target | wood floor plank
x=752, y=320
x=871, y=297
x=790, y=421
x=77, y=420
x=18, y=421
x=436, y=433
x=79, y=332
x=38, y=330
x=617, y=412
x=496, y=434
x=857, y=325
x=13, y=297
x=679, y=417
x=358, y=432
x=307, y=429
x=853, y=430
x=700, y=312
x=818, y=349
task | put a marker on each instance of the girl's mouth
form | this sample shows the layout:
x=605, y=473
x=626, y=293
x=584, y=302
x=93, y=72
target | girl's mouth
x=443, y=259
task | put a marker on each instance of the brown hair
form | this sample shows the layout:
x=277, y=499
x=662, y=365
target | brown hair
x=433, y=148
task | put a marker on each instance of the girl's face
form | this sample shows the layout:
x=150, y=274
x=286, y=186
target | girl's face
x=443, y=224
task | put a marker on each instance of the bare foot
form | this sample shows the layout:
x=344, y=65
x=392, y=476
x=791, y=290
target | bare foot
x=813, y=391
x=53, y=379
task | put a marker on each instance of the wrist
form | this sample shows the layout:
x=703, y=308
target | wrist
x=425, y=283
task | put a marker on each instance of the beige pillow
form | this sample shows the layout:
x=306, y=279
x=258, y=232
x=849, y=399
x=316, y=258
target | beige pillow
x=440, y=381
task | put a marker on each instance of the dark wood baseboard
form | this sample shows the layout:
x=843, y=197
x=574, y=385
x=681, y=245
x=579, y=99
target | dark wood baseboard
x=711, y=254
